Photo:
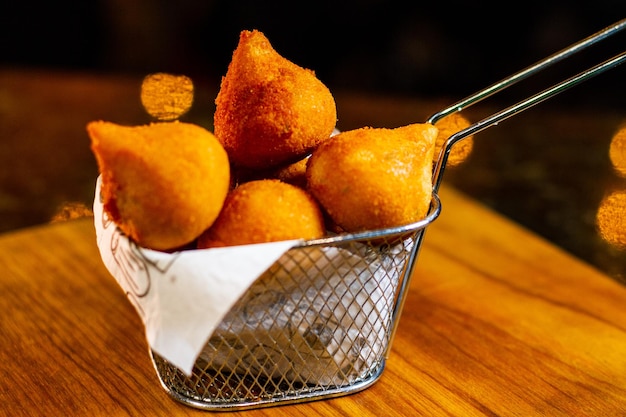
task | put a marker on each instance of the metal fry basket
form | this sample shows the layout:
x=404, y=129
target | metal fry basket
x=320, y=322
x=317, y=324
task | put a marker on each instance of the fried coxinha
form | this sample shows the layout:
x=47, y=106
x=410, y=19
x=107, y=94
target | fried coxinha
x=374, y=178
x=265, y=210
x=270, y=111
x=164, y=183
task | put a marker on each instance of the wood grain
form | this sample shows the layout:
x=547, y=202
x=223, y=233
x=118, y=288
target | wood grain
x=497, y=323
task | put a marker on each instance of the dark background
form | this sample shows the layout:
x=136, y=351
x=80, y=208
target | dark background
x=416, y=49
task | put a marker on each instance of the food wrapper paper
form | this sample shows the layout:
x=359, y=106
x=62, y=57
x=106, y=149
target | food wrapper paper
x=254, y=296
x=181, y=297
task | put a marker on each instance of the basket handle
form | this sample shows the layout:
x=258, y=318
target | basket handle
x=501, y=115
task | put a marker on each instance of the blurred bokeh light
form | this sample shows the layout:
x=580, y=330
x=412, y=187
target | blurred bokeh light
x=166, y=96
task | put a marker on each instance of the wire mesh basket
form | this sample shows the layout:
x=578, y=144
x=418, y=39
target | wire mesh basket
x=320, y=322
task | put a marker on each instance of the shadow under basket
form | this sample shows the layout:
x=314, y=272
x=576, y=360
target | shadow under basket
x=317, y=324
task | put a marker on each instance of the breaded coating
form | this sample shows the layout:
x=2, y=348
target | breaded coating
x=163, y=184
x=266, y=210
x=373, y=178
x=294, y=173
x=270, y=111
x=448, y=126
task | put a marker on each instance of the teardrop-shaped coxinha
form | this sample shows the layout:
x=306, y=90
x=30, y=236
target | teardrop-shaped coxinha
x=270, y=111
x=374, y=178
x=163, y=184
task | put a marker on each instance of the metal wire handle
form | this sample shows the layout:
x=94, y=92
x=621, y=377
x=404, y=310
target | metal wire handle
x=497, y=117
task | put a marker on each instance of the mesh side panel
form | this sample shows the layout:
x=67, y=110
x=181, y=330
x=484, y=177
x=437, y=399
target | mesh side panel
x=317, y=322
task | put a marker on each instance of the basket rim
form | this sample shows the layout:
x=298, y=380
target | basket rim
x=433, y=213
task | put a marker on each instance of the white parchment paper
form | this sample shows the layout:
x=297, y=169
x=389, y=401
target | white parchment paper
x=181, y=297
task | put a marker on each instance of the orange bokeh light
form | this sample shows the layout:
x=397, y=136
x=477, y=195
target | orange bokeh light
x=611, y=218
x=617, y=151
x=167, y=97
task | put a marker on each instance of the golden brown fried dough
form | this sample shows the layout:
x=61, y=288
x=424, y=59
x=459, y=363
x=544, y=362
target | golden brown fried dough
x=448, y=126
x=294, y=173
x=163, y=184
x=266, y=210
x=269, y=111
x=373, y=178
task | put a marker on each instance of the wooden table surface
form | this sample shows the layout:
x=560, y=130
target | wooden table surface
x=498, y=322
